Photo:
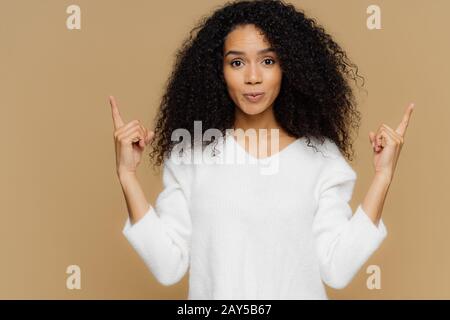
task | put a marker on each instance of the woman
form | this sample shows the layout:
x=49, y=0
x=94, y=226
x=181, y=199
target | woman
x=243, y=234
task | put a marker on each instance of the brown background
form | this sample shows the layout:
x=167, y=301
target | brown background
x=62, y=203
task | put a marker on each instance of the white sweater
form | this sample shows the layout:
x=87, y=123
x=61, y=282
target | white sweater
x=243, y=234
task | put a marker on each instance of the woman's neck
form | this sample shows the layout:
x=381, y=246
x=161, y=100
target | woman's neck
x=265, y=120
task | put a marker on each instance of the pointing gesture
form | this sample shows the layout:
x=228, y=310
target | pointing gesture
x=130, y=141
x=117, y=119
x=401, y=129
x=387, y=144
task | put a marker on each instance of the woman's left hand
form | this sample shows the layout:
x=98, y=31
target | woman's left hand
x=387, y=144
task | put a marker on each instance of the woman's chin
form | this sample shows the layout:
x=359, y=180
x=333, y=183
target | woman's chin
x=252, y=110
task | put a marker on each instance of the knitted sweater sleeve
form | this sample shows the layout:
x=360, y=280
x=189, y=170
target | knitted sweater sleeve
x=344, y=241
x=162, y=236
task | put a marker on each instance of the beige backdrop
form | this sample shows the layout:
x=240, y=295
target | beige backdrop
x=62, y=203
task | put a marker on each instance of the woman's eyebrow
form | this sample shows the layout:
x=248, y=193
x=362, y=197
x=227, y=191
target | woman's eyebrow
x=243, y=53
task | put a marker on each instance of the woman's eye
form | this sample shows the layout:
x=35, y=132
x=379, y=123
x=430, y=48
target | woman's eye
x=234, y=62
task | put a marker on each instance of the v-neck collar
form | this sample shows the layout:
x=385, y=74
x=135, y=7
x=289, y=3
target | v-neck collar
x=268, y=158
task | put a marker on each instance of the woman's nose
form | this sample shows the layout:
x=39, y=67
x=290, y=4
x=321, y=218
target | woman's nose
x=253, y=74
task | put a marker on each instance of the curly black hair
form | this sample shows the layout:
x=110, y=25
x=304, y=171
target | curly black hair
x=315, y=98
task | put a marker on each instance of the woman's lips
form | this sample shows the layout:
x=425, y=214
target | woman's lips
x=254, y=97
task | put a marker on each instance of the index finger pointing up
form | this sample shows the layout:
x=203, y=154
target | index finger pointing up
x=117, y=119
x=401, y=129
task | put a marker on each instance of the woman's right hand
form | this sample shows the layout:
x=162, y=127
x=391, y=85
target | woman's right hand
x=130, y=141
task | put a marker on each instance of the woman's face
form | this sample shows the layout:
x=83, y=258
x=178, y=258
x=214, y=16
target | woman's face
x=251, y=66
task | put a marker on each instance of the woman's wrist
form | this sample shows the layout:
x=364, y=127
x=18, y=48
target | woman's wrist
x=125, y=176
x=383, y=177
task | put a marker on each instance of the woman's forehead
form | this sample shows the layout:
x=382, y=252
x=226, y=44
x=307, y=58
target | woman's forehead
x=246, y=39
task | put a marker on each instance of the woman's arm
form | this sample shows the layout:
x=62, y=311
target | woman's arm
x=128, y=156
x=374, y=199
x=161, y=234
x=387, y=144
x=345, y=241
x=137, y=204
